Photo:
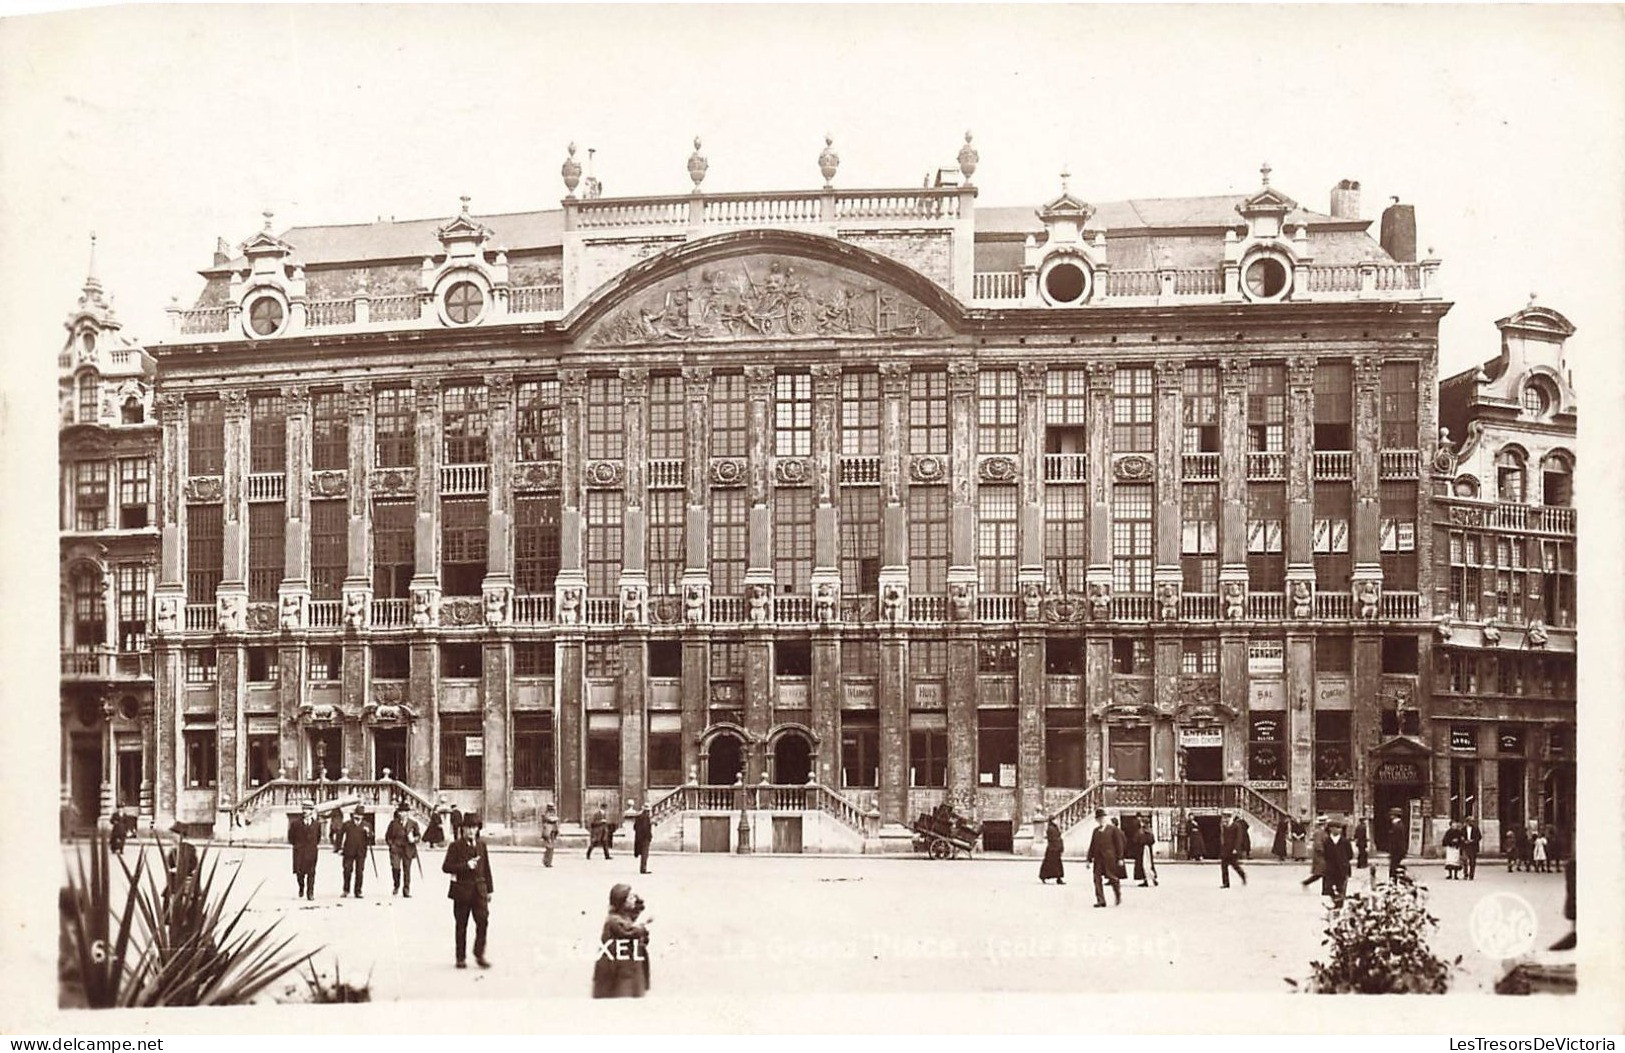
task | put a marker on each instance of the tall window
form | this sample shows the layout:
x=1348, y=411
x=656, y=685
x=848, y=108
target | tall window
x=1201, y=391
x=267, y=434
x=533, y=751
x=996, y=553
x=329, y=431
x=205, y=437
x=1334, y=406
x=205, y=552
x=535, y=544
x=666, y=431
x=860, y=748
x=202, y=758
x=792, y=540
x=860, y=414
x=1557, y=481
x=462, y=751
x=1266, y=561
x=996, y=747
x=666, y=554
x=134, y=492
x=1064, y=748
x=329, y=548
x=1397, y=537
x=1266, y=408
x=792, y=415
x=927, y=749
x=133, y=602
x=463, y=523
x=89, y=398
x=1199, y=537
x=928, y=412
x=1131, y=409
x=928, y=540
x=1131, y=538
x=1509, y=476
x=603, y=542
x=1557, y=568
x=1066, y=535
x=1334, y=503
x=1066, y=397
x=89, y=610
x=996, y=402
x=860, y=540
x=604, y=749
x=1199, y=656
x=606, y=430
x=265, y=550
x=1399, y=394
x=394, y=548
x=394, y=434
x=90, y=496
x=466, y=419
x=202, y=665
x=536, y=425
x=730, y=416
x=728, y=541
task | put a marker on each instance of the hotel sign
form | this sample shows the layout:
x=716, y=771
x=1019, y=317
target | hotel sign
x=1397, y=772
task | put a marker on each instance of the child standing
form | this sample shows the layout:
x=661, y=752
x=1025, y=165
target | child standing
x=1540, y=853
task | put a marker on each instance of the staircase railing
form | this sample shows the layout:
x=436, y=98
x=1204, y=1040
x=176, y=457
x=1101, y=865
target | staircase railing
x=290, y=793
x=1186, y=795
x=1078, y=808
x=797, y=797
x=1250, y=800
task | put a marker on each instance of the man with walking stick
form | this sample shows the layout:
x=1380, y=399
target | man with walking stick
x=402, y=836
x=354, y=844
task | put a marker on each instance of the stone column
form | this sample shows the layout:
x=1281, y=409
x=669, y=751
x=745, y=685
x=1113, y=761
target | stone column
x=1166, y=576
x=959, y=700
x=634, y=714
x=962, y=484
x=826, y=705
x=1031, y=695
x=423, y=741
x=425, y=584
x=358, y=551
x=232, y=595
x=825, y=686
x=352, y=698
x=170, y=471
x=498, y=766
x=1300, y=478
x=234, y=575
x=229, y=734
x=166, y=733
x=758, y=644
x=697, y=529
x=1097, y=695
x=1427, y=431
x=893, y=714
x=759, y=572
x=571, y=588
x=1233, y=479
x=1166, y=659
x=634, y=582
x=1366, y=527
x=296, y=483
x=1233, y=692
x=290, y=687
x=894, y=492
x=1030, y=438
x=1300, y=722
x=497, y=588
x=696, y=695
x=1366, y=720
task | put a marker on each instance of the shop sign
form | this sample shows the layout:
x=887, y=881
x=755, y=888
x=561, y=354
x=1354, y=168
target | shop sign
x=474, y=746
x=1266, y=730
x=1199, y=738
x=1462, y=738
x=1511, y=740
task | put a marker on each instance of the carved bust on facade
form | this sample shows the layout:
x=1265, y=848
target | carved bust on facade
x=1032, y=601
x=1235, y=601
x=1492, y=633
x=293, y=611
x=759, y=602
x=422, y=610
x=961, y=604
x=1100, y=599
x=1536, y=636
x=355, y=610
x=1303, y=599
x=1445, y=628
x=1168, y=601
x=891, y=603
x=1367, y=599
x=632, y=605
x=694, y=603
x=168, y=614
x=825, y=603
x=231, y=610
x=496, y=607
x=569, y=606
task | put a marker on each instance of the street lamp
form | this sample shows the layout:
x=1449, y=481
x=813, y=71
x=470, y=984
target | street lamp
x=744, y=816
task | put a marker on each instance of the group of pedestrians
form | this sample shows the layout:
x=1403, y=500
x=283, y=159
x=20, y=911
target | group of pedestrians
x=1109, y=850
x=1533, y=848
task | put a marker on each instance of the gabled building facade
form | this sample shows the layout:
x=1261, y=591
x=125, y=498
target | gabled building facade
x=831, y=504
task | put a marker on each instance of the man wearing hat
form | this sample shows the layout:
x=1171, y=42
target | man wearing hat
x=305, y=835
x=353, y=842
x=469, y=865
x=1106, y=852
x=1337, y=862
x=642, y=837
x=1232, y=837
x=550, y=833
x=1398, y=842
x=402, y=837
x=1317, y=852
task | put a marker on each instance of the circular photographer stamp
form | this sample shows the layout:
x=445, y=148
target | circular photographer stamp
x=1503, y=925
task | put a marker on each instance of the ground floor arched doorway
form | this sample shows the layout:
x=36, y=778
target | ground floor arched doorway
x=725, y=759
x=792, y=759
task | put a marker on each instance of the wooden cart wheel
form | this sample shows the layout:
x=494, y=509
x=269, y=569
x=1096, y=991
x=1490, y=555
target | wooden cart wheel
x=941, y=850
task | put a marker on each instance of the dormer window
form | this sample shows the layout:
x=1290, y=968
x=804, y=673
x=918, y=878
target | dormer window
x=266, y=316
x=1509, y=476
x=1267, y=278
x=132, y=412
x=464, y=303
x=1537, y=400
x=1065, y=280
x=87, y=344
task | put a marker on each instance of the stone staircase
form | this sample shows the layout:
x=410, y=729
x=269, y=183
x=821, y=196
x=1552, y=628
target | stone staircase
x=1189, y=798
x=261, y=816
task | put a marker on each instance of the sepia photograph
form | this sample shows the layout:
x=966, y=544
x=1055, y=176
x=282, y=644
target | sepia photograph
x=899, y=506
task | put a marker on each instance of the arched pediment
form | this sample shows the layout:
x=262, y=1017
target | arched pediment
x=764, y=285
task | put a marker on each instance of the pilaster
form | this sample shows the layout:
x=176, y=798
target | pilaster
x=423, y=742
x=1101, y=378
x=962, y=375
x=569, y=672
x=170, y=481
x=634, y=716
x=1300, y=438
x=894, y=490
x=1030, y=439
x=1169, y=439
x=959, y=691
x=425, y=583
x=696, y=693
x=495, y=668
x=697, y=532
x=826, y=572
x=759, y=384
x=1363, y=546
x=893, y=719
x=234, y=573
x=826, y=705
x=1233, y=462
x=1300, y=691
x=358, y=566
x=1030, y=698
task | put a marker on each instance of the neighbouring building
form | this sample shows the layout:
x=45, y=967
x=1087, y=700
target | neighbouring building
x=108, y=445
x=1502, y=733
x=834, y=504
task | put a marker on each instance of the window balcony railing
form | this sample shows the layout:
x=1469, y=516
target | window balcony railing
x=1401, y=605
x=996, y=608
x=1199, y=465
x=1334, y=464
x=199, y=618
x=1399, y=464
x=1066, y=467
x=324, y=614
x=665, y=473
x=727, y=609
x=1199, y=606
x=860, y=471
x=929, y=610
x=464, y=478
x=1335, y=606
x=323, y=314
x=600, y=610
x=402, y=308
x=998, y=285
x=1207, y=282
x=391, y=613
x=532, y=610
x=1266, y=606
x=202, y=321
x=1133, y=283
x=536, y=299
x=1540, y=519
x=1266, y=464
x=267, y=486
x=91, y=665
x=792, y=610
x=1132, y=607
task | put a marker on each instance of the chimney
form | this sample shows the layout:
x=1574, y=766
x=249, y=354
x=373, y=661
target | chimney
x=1399, y=231
x=1346, y=199
x=222, y=252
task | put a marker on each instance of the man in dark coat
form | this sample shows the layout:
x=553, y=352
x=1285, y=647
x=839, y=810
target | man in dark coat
x=1106, y=851
x=470, y=893
x=1145, y=863
x=643, y=835
x=1317, y=849
x=305, y=835
x=1397, y=841
x=1195, y=846
x=622, y=968
x=1336, y=861
x=1053, y=847
x=550, y=833
x=353, y=841
x=117, y=831
x=402, y=836
x=1232, y=839
x=602, y=833
x=1472, y=837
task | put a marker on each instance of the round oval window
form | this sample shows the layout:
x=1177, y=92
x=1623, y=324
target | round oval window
x=464, y=302
x=1065, y=283
x=265, y=315
x=1266, y=277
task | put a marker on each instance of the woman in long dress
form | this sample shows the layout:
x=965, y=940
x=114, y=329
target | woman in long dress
x=1053, y=847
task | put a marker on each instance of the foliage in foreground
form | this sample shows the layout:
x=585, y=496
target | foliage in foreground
x=1378, y=942
x=168, y=942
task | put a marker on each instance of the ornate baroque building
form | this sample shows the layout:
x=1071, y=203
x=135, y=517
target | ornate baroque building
x=108, y=442
x=1503, y=724
x=860, y=498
